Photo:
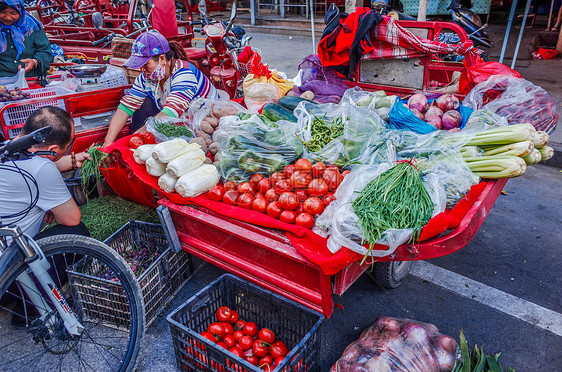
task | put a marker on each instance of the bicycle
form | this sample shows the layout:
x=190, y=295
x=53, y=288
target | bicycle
x=62, y=330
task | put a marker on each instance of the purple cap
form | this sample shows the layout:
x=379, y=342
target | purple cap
x=146, y=46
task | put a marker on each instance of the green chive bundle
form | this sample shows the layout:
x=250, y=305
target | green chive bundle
x=395, y=199
x=90, y=168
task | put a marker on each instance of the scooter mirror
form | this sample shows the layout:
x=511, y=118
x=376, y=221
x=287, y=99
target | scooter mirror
x=233, y=12
x=97, y=20
x=150, y=3
x=203, y=7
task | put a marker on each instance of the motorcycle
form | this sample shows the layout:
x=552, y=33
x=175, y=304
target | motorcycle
x=222, y=45
x=470, y=22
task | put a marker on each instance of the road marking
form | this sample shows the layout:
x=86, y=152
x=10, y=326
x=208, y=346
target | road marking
x=504, y=302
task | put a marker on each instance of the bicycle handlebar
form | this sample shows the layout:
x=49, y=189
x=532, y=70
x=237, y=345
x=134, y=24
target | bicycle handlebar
x=100, y=41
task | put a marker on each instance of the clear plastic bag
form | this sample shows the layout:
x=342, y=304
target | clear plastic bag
x=486, y=119
x=203, y=108
x=359, y=128
x=376, y=101
x=250, y=146
x=163, y=128
x=399, y=345
x=518, y=100
x=346, y=230
x=16, y=81
x=452, y=173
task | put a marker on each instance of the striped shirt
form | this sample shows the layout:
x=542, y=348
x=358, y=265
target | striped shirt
x=185, y=84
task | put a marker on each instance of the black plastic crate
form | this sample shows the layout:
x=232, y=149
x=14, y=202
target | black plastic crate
x=296, y=325
x=159, y=282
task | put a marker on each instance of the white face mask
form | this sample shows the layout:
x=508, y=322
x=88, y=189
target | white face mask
x=158, y=74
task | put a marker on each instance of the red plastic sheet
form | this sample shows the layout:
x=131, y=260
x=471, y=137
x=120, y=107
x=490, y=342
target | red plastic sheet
x=481, y=72
x=308, y=243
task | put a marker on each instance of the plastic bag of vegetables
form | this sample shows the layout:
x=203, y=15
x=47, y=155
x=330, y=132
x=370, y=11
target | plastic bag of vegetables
x=351, y=230
x=204, y=112
x=518, y=100
x=250, y=146
x=336, y=133
x=486, y=119
x=166, y=128
x=377, y=101
x=399, y=345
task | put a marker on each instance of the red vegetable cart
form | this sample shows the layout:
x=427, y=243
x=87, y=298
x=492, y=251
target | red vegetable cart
x=277, y=259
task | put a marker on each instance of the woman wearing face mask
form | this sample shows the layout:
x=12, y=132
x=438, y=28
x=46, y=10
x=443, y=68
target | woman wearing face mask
x=166, y=86
x=23, y=43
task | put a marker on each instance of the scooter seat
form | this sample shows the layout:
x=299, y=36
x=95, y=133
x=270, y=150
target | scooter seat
x=195, y=53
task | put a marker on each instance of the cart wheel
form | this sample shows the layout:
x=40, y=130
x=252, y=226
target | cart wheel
x=392, y=274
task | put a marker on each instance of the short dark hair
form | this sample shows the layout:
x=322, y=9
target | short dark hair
x=58, y=119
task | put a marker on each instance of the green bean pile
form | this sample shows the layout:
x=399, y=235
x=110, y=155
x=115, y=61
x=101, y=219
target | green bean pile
x=323, y=130
x=395, y=199
x=90, y=171
x=172, y=130
x=103, y=216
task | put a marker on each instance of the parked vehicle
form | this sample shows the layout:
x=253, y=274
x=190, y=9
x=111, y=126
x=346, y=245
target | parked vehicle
x=460, y=14
x=222, y=46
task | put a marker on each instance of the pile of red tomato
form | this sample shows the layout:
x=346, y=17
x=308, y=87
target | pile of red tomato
x=141, y=138
x=295, y=196
x=258, y=347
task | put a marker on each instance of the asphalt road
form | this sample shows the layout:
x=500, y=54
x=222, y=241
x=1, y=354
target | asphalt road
x=503, y=288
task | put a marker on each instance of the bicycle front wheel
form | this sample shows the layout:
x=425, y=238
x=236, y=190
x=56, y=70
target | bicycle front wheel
x=99, y=286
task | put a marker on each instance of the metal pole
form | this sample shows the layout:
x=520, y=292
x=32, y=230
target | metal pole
x=550, y=15
x=253, y=12
x=508, y=29
x=313, y=27
x=521, y=33
x=422, y=10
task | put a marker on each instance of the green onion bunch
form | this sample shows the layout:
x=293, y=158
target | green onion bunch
x=395, y=199
x=172, y=130
x=90, y=170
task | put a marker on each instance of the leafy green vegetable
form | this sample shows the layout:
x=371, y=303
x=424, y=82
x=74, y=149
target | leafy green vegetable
x=477, y=361
x=172, y=130
x=395, y=199
x=90, y=171
x=103, y=216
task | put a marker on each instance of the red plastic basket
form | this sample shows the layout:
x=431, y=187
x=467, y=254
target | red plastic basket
x=14, y=116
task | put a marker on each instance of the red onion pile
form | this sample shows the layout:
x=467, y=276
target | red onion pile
x=441, y=113
x=392, y=344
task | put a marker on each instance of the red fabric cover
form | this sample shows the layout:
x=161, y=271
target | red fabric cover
x=389, y=40
x=334, y=49
x=164, y=18
x=481, y=72
x=308, y=243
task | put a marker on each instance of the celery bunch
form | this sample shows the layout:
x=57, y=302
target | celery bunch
x=505, y=152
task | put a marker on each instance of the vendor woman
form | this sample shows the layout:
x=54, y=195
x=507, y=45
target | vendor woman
x=23, y=42
x=166, y=86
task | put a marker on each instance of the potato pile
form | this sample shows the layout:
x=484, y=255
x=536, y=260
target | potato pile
x=209, y=124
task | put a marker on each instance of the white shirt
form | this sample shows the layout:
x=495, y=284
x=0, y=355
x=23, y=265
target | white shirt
x=15, y=192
